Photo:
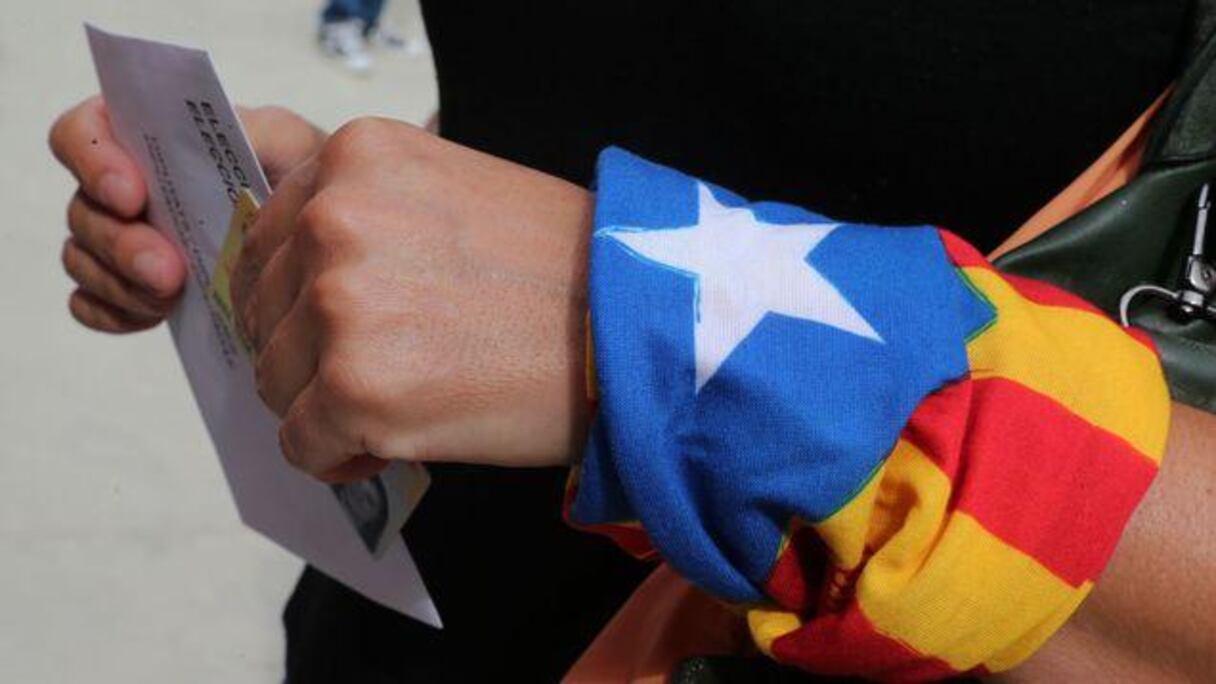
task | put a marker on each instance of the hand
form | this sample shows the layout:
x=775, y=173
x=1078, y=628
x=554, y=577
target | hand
x=128, y=275
x=410, y=298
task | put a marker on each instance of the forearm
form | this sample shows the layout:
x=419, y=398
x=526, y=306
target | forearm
x=1151, y=616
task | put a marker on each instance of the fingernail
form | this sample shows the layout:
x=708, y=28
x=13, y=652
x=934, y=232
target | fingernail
x=150, y=270
x=113, y=188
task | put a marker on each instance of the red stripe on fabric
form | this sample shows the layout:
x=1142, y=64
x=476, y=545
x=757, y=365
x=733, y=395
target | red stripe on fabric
x=1045, y=481
x=1040, y=292
x=1144, y=338
x=630, y=537
x=1047, y=294
x=798, y=573
x=960, y=252
x=939, y=424
x=963, y=255
x=633, y=540
x=846, y=643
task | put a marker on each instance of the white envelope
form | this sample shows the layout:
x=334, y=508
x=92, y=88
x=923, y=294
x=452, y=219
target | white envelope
x=170, y=113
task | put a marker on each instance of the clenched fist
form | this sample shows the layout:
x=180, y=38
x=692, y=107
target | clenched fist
x=415, y=299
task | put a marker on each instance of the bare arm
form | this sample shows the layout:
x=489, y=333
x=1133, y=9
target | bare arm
x=1152, y=617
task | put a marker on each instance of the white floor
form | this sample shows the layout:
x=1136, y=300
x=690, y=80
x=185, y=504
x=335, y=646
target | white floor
x=121, y=556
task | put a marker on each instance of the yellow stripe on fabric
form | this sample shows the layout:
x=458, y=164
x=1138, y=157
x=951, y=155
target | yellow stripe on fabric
x=908, y=493
x=766, y=626
x=845, y=531
x=1078, y=358
x=1030, y=642
x=910, y=507
x=973, y=600
x=900, y=511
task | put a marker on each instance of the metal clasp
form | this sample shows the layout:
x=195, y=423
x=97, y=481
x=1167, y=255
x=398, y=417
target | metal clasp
x=1194, y=296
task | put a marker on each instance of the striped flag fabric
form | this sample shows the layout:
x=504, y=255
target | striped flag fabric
x=901, y=462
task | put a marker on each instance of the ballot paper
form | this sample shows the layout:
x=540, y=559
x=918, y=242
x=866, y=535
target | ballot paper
x=169, y=111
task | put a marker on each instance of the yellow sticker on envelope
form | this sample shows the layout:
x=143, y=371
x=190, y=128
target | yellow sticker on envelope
x=243, y=215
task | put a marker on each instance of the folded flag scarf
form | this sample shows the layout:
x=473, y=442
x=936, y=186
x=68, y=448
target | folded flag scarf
x=902, y=463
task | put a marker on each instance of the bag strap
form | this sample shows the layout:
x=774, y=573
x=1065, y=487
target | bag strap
x=1114, y=169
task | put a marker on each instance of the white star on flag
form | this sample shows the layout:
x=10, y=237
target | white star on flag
x=743, y=269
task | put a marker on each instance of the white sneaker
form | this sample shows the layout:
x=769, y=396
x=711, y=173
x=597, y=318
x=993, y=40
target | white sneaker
x=390, y=36
x=345, y=39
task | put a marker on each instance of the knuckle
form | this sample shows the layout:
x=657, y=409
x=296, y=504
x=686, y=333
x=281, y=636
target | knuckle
x=103, y=240
x=312, y=222
x=263, y=365
x=266, y=364
x=121, y=246
x=77, y=211
x=93, y=227
x=263, y=385
x=291, y=452
x=347, y=388
x=247, y=316
x=359, y=131
x=109, y=290
x=326, y=220
x=366, y=136
x=70, y=258
x=335, y=297
x=80, y=310
x=79, y=270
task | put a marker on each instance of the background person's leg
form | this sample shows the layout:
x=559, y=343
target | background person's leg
x=341, y=10
x=369, y=13
x=343, y=33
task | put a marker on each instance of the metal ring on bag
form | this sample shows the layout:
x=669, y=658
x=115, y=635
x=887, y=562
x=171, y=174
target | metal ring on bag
x=1125, y=302
x=1194, y=298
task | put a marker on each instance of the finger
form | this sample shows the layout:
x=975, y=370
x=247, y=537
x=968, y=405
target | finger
x=311, y=439
x=92, y=312
x=98, y=280
x=281, y=138
x=133, y=250
x=358, y=468
x=270, y=229
x=83, y=141
x=274, y=294
x=288, y=360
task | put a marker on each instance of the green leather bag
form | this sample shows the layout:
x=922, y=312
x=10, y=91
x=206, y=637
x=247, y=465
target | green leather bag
x=1140, y=253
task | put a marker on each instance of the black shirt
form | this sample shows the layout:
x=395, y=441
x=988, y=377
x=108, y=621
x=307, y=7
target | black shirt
x=965, y=114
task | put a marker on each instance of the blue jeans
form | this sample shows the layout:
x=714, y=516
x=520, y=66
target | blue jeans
x=366, y=10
